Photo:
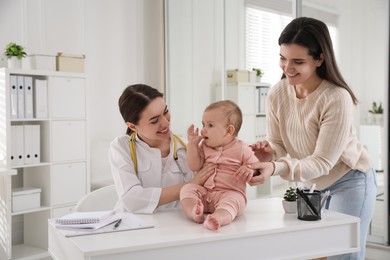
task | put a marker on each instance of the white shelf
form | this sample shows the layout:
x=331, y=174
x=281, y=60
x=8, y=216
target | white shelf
x=22, y=212
x=62, y=173
x=26, y=252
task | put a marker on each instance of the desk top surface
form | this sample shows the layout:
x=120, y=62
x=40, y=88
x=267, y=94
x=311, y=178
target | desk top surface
x=172, y=228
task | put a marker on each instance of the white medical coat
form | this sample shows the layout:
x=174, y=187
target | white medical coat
x=141, y=193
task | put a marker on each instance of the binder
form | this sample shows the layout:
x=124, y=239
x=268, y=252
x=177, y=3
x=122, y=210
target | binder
x=260, y=127
x=36, y=144
x=257, y=100
x=13, y=150
x=20, y=86
x=263, y=99
x=19, y=136
x=40, y=98
x=13, y=97
x=28, y=97
x=28, y=144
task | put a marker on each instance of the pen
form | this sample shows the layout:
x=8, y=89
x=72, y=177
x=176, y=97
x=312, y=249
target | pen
x=313, y=186
x=117, y=223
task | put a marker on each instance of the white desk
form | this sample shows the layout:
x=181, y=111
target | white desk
x=263, y=232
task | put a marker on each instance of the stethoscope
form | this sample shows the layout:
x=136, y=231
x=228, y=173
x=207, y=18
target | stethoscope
x=133, y=151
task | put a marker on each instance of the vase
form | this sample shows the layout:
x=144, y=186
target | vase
x=14, y=63
x=289, y=206
x=258, y=79
x=377, y=119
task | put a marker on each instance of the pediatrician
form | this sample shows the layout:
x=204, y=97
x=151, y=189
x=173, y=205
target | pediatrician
x=148, y=163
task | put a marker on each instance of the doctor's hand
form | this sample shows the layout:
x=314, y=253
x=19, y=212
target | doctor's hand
x=263, y=151
x=193, y=136
x=203, y=174
x=266, y=170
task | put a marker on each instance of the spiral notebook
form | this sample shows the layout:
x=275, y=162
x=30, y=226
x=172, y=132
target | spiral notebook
x=129, y=221
x=76, y=218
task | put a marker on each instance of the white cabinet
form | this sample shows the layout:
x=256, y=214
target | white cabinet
x=65, y=176
x=66, y=135
x=46, y=150
x=67, y=97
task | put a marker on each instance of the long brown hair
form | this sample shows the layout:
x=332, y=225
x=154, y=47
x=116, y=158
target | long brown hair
x=314, y=35
x=133, y=101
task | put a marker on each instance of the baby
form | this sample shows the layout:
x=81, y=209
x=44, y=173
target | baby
x=223, y=194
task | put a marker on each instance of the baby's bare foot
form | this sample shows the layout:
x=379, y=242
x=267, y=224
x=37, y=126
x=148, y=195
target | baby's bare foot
x=197, y=212
x=212, y=223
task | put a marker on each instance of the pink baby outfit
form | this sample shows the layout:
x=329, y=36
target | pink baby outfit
x=223, y=189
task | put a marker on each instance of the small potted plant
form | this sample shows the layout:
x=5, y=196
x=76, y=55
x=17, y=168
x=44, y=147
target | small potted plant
x=377, y=113
x=259, y=74
x=290, y=200
x=14, y=54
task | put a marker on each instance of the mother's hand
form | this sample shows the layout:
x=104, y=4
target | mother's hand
x=266, y=170
x=203, y=174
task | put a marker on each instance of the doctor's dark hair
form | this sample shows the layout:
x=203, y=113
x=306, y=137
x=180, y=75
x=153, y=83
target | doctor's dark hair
x=314, y=35
x=133, y=101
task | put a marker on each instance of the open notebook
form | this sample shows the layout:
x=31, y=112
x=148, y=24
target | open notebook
x=129, y=221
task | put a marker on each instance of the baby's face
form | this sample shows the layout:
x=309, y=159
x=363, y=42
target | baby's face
x=214, y=129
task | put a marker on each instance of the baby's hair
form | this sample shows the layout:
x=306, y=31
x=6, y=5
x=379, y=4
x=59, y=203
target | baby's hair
x=231, y=111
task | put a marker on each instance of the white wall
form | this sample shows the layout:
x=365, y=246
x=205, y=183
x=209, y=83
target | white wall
x=122, y=41
x=363, y=56
x=204, y=39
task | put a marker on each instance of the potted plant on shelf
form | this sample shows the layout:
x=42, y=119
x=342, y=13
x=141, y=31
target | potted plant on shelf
x=259, y=74
x=289, y=201
x=14, y=54
x=377, y=113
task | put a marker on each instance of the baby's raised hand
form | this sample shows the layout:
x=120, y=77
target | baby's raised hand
x=263, y=151
x=193, y=135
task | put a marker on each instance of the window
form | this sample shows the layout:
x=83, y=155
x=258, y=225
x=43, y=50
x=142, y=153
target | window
x=262, y=50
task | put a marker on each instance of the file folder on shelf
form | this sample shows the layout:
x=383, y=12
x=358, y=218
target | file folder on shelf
x=263, y=99
x=260, y=127
x=20, y=82
x=28, y=97
x=13, y=153
x=14, y=97
x=36, y=144
x=28, y=144
x=19, y=136
x=40, y=98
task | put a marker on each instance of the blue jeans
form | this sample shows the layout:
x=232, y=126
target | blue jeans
x=354, y=194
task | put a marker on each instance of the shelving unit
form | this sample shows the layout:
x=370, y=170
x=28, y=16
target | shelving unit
x=251, y=98
x=62, y=172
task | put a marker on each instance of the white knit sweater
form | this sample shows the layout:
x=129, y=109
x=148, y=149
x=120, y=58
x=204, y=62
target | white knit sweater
x=314, y=138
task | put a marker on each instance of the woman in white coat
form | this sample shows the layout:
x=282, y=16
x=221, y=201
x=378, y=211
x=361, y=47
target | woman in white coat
x=148, y=163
